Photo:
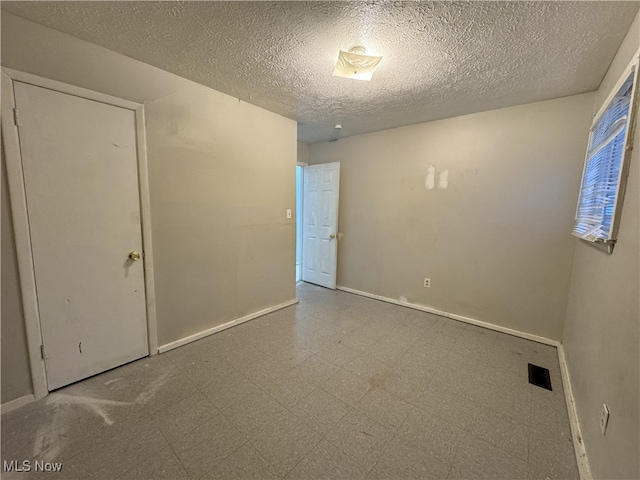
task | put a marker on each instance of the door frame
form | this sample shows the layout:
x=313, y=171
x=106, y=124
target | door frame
x=299, y=216
x=338, y=235
x=20, y=216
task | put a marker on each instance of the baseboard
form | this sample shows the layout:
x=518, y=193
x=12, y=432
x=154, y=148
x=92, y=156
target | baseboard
x=576, y=431
x=17, y=403
x=453, y=316
x=224, y=326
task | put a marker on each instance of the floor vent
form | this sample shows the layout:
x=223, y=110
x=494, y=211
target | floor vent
x=539, y=376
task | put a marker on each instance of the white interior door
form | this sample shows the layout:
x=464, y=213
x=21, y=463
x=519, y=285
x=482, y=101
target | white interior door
x=81, y=180
x=320, y=224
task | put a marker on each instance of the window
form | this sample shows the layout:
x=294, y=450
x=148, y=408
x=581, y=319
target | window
x=606, y=166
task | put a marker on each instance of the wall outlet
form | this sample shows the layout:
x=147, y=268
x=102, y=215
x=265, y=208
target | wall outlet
x=604, y=418
x=288, y=213
x=427, y=282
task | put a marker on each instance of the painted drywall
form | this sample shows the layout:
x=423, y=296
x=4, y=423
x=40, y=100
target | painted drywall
x=496, y=241
x=221, y=173
x=16, y=375
x=303, y=152
x=601, y=335
x=627, y=48
x=222, y=176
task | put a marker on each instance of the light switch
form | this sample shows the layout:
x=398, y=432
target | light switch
x=288, y=213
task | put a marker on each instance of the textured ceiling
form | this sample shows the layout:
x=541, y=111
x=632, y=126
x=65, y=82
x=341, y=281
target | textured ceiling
x=440, y=59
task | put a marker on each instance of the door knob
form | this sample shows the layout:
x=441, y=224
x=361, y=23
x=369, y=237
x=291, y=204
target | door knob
x=332, y=236
x=134, y=256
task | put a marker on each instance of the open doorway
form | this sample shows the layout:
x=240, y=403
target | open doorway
x=298, y=223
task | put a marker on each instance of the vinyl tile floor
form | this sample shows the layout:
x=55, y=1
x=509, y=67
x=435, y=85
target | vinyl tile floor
x=338, y=386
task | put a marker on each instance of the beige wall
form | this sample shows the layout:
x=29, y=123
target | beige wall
x=628, y=47
x=222, y=175
x=221, y=171
x=16, y=376
x=496, y=242
x=601, y=336
x=303, y=152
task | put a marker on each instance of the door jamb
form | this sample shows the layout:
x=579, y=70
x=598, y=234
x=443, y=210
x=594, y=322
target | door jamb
x=20, y=216
x=299, y=215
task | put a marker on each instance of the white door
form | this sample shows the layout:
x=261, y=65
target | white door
x=320, y=224
x=81, y=180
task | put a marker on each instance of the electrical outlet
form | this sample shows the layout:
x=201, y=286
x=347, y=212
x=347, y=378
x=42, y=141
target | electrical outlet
x=288, y=213
x=604, y=418
x=427, y=282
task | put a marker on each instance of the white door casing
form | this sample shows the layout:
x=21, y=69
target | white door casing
x=320, y=224
x=80, y=170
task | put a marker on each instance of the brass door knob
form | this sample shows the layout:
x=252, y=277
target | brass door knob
x=332, y=236
x=134, y=256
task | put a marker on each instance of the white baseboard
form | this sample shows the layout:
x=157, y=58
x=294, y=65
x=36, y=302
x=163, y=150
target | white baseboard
x=224, y=326
x=453, y=316
x=576, y=431
x=17, y=403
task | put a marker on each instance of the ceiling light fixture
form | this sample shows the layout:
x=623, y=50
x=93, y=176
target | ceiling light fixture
x=355, y=64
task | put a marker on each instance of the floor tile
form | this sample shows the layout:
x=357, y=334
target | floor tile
x=422, y=356
x=454, y=408
x=515, y=402
x=476, y=342
x=101, y=416
x=187, y=355
x=384, y=407
x=328, y=463
x=292, y=387
x=185, y=416
x=245, y=463
x=283, y=444
x=337, y=386
x=368, y=368
x=292, y=355
x=208, y=371
x=254, y=412
x=461, y=382
x=502, y=431
x=321, y=410
x=402, y=461
x=552, y=457
x=316, y=369
x=115, y=454
x=431, y=434
x=477, y=459
x=164, y=388
x=162, y=465
x=68, y=471
x=337, y=354
x=360, y=438
x=406, y=384
x=347, y=386
x=229, y=389
x=548, y=408
x=49, y=432
x=205, y=447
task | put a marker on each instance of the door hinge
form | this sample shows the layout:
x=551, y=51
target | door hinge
x=16, y=117
x=42, y=352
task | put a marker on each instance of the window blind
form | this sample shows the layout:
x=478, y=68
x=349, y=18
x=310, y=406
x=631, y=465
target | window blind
x=597, y=204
